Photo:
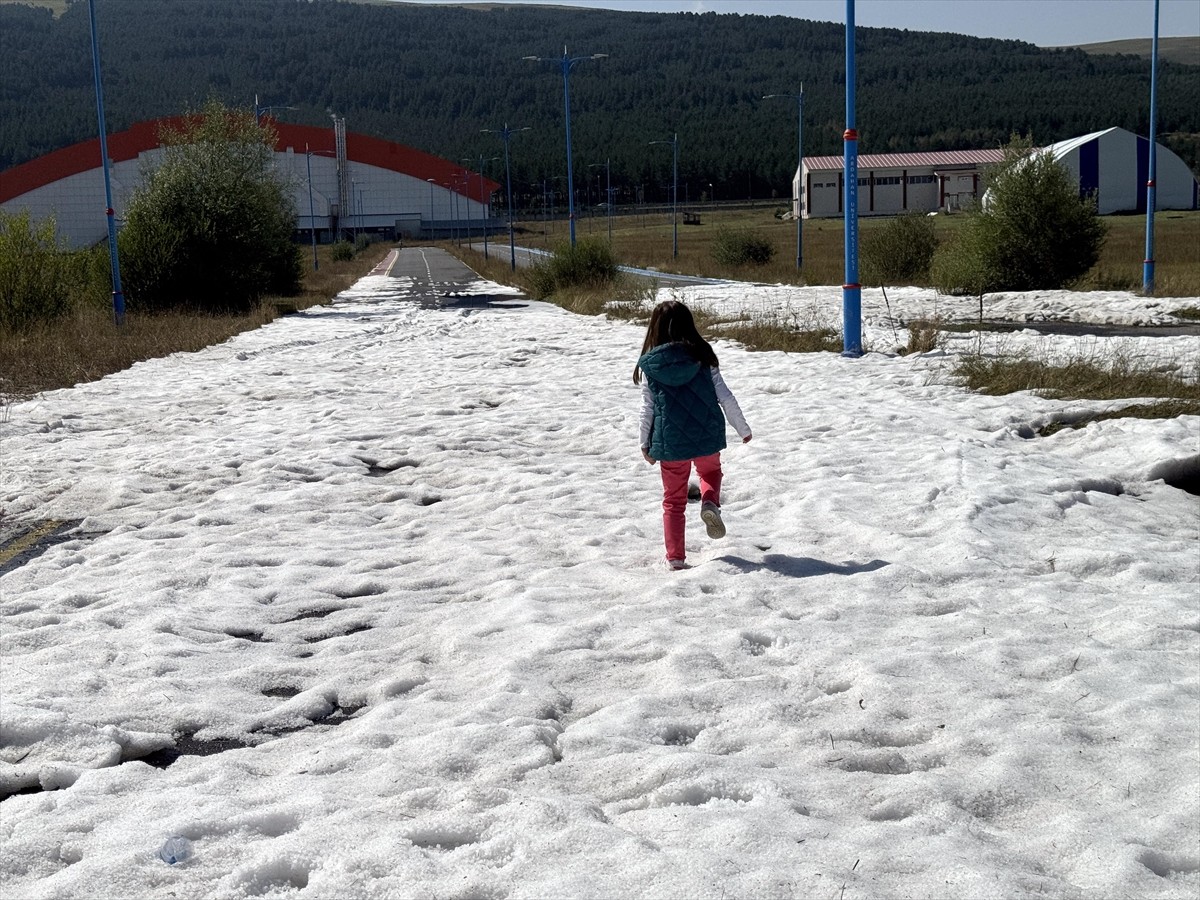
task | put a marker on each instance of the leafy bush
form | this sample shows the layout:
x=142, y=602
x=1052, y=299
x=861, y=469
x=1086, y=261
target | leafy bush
x=36, y=276
x=361, y=242
x=341, y=251
x=739, y=247
x=588, y=263
x=1033, y=231
x=960, y=266
x=211, y=227
x=900, y=251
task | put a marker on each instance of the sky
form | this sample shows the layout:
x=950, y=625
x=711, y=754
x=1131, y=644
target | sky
x=1047, y=23
x=401, y=567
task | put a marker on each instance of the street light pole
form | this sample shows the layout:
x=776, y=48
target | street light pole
x=118, y=295
x=800, y=195
x=430, y=180
x=312, y=219
x=674, y=142
x=1151, y=200
x=567, y=63
x=483, y=219
x=259, y=110
x=608, y=194
x=607, y=191
x=506, y=133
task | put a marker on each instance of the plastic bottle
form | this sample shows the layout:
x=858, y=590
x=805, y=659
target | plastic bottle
x=175, y=850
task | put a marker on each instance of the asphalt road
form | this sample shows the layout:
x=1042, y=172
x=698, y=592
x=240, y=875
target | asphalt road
x=440, y=281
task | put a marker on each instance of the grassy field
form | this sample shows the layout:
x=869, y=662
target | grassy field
x=646, y=242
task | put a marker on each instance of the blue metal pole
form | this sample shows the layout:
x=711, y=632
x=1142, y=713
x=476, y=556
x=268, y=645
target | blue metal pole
x=1151, y=199
x=566, y=70
x=430, y=180
x=483, y=211
x=608, y=195
x=512, y=248
x=566, y=63
x=851, y=290
x=800, y=174
x=118, y=296
x=506, y=134
x=675, y=199
x=312, y=219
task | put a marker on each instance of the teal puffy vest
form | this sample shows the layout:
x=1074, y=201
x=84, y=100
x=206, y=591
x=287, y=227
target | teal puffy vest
x=688, y=421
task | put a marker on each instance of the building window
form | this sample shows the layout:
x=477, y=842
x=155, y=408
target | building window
x=921, y=179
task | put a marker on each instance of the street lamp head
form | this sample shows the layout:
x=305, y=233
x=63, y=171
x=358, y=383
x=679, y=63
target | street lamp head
x=599, y=56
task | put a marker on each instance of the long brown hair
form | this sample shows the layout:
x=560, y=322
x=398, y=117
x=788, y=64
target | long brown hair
x=672, y=321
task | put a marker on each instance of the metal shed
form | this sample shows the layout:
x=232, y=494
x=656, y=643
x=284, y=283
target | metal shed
x=893, y=183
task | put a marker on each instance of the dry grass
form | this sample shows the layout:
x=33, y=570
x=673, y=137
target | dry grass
x=1176, y=255
x=1082, y=377
x=85, y=345
x=924, y=336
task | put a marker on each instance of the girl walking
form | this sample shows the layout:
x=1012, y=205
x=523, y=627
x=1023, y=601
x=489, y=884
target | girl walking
x=685, y=403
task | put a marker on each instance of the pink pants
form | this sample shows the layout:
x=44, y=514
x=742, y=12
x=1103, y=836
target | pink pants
x=675, y=495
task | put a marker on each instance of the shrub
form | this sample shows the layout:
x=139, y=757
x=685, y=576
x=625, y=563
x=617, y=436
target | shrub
x=739, y=247
x=211, y=227
x=1033, y=232
x=36, y=276
x=900, y=251
x=959, y=265
x=361, y=242
x=586, y=264
x=341, y=251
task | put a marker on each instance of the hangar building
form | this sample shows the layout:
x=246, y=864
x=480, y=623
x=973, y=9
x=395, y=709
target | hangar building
x=1115, y=164
x=357, y=184
x=1112, y=164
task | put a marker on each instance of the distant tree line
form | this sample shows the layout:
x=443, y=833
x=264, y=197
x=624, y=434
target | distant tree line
x=432, y=78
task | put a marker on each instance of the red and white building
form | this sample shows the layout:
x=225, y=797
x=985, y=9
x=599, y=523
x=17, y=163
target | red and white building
x=357, y=184
x=894, y=183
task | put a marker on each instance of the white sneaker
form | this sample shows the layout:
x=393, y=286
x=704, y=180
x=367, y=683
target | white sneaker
x=677, y=564
x=710, y=514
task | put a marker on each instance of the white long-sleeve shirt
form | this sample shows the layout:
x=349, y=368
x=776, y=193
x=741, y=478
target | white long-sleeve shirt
x=729, y=406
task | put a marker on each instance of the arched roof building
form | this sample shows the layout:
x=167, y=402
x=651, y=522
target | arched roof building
x=372, y=185
x=1113, y=165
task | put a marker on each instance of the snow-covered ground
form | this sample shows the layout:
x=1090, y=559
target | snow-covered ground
x=406, y=563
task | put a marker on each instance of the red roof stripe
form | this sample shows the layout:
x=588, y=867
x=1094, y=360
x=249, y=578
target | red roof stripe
x=907, y=160
x=360, y=148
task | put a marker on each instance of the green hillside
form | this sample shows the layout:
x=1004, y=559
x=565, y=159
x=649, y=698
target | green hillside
x=433, y=77
x=1183, y=50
